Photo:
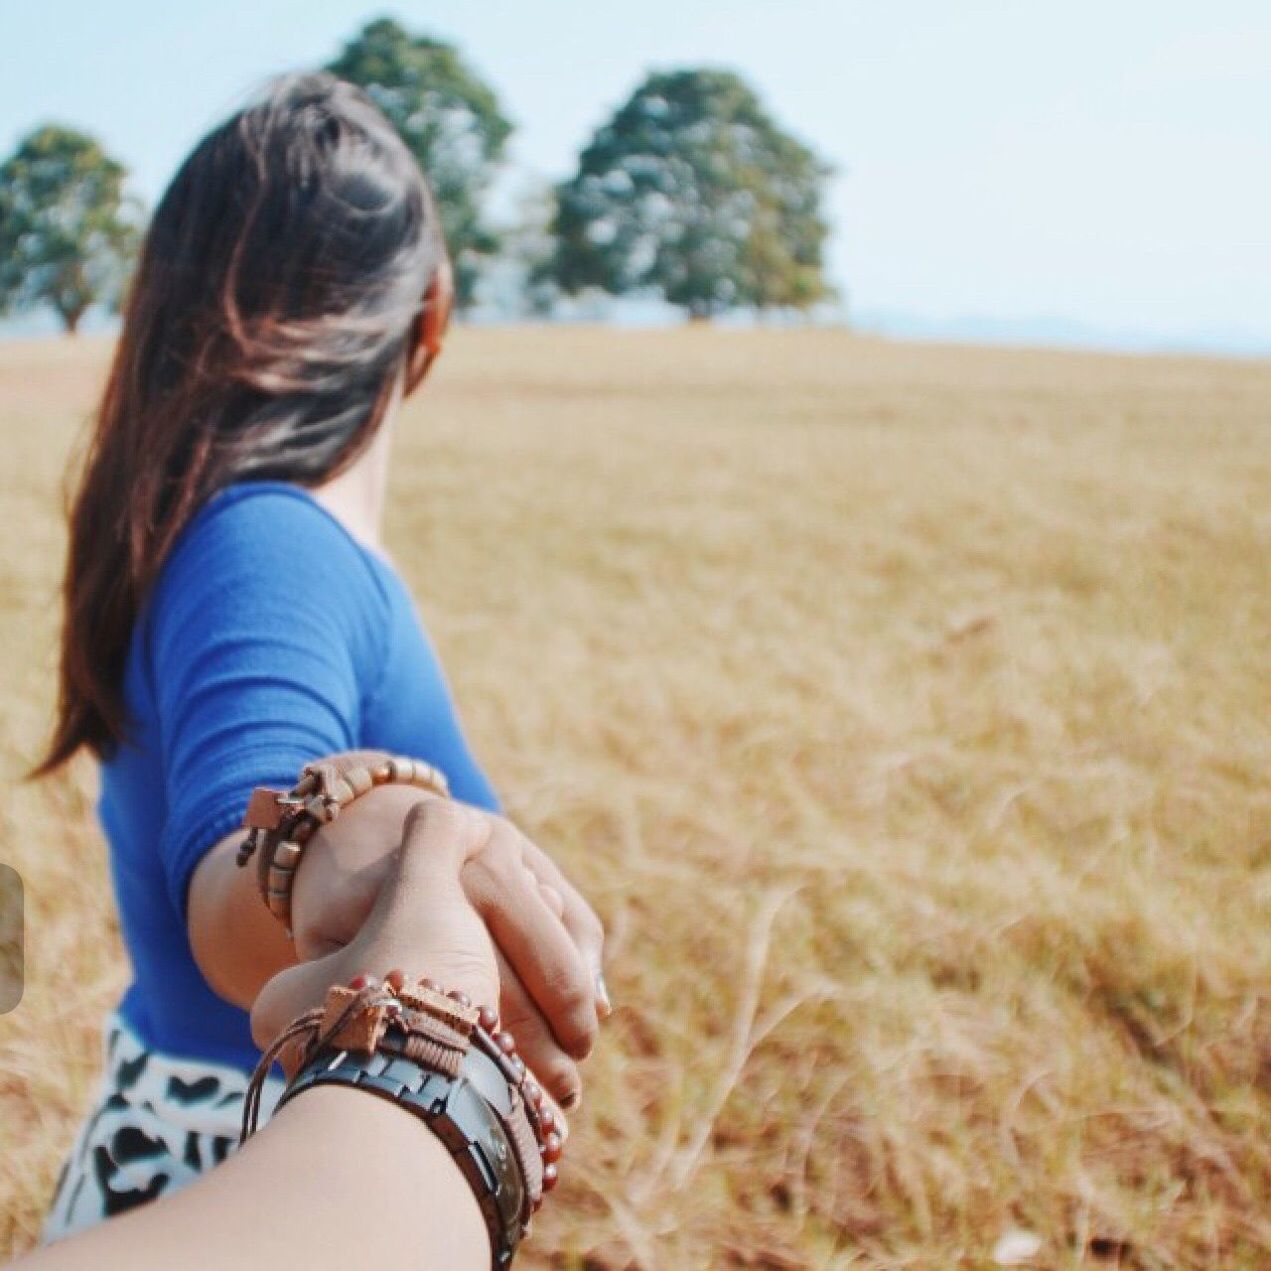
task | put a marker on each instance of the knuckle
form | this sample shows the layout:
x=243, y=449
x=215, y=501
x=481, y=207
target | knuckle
x=448, y=818
x=499, y=853
x=592, y=928
x=503, y=827
x=440, y=814
x=514, y=839
x=481, y=823
x=573, y=999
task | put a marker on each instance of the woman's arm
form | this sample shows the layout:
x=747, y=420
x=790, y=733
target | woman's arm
x=261, y=637
x=224, y=898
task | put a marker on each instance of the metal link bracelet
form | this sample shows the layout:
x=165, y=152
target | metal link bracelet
x=446, y=1062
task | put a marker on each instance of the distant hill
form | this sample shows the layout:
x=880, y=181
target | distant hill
x=1059, y=333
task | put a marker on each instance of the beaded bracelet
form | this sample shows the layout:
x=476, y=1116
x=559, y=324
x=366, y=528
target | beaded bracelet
x=429, y=1052
x=280, y=824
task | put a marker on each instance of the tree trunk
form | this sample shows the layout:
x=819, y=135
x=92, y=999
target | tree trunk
x=70, y=319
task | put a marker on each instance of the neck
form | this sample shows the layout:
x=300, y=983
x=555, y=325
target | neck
x=356, y=497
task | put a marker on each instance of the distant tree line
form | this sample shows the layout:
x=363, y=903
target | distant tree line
x=691, y=191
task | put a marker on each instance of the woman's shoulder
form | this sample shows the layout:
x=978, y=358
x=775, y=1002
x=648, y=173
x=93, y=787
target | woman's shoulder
x=271, y=518
x=270, y=535
x=267, y=508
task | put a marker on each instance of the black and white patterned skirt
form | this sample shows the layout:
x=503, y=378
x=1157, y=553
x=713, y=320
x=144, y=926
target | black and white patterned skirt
x=157, y=1124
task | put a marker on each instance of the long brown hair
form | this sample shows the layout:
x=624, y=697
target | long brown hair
x=277, y=295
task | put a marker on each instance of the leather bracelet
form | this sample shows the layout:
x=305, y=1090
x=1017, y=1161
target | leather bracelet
x=279, y=824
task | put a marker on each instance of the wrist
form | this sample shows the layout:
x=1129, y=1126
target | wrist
x=237, y=946
x=335, y=1148
x=280, y=825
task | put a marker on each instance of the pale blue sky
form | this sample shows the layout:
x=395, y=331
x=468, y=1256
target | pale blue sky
x=1104, y=162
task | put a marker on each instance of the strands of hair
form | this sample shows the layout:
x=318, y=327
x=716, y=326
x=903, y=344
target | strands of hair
x=277, y=293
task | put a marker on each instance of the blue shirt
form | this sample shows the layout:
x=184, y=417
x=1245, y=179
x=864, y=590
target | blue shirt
x=272, y=637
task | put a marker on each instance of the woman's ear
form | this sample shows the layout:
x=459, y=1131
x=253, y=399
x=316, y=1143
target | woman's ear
x=433, y=320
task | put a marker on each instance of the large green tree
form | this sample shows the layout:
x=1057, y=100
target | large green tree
x=451, y=120
x=693, y=189
x=68, y=231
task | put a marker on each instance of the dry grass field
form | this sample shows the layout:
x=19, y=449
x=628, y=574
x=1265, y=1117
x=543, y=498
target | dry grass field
x=907, y=713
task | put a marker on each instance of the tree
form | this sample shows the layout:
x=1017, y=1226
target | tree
x=692, y=188
x=68, y=231
x=449, y=118
x=530, y=248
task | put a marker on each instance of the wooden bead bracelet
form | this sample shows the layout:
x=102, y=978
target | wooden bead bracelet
x=280, y=824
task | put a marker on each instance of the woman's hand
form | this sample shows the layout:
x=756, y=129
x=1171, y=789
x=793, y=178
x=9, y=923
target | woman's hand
x=551, y=988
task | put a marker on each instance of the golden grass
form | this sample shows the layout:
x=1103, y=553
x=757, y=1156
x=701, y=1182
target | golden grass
x=907, y=713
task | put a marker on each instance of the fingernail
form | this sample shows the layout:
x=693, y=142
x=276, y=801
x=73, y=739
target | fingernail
x=602, y=995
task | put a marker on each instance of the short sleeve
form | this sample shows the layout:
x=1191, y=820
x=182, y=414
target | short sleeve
x=262, y=640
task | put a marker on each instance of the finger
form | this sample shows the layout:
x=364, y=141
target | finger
x=551, y=898
x=439, y=837
x=550, y=1066
x=579, y=918
x=535, y=942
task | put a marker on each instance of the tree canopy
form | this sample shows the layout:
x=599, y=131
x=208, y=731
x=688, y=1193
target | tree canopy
x=448, y=116
x=693, y=189
x=68, y=231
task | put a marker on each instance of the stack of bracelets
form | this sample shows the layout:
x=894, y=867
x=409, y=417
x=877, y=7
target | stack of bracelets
x=446, y=1062
x=432, y=1053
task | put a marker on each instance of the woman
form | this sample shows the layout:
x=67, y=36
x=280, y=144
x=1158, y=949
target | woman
x=340, y=1179
x=230, y=616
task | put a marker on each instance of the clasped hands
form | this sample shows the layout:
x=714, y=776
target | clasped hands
x=445, y=890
